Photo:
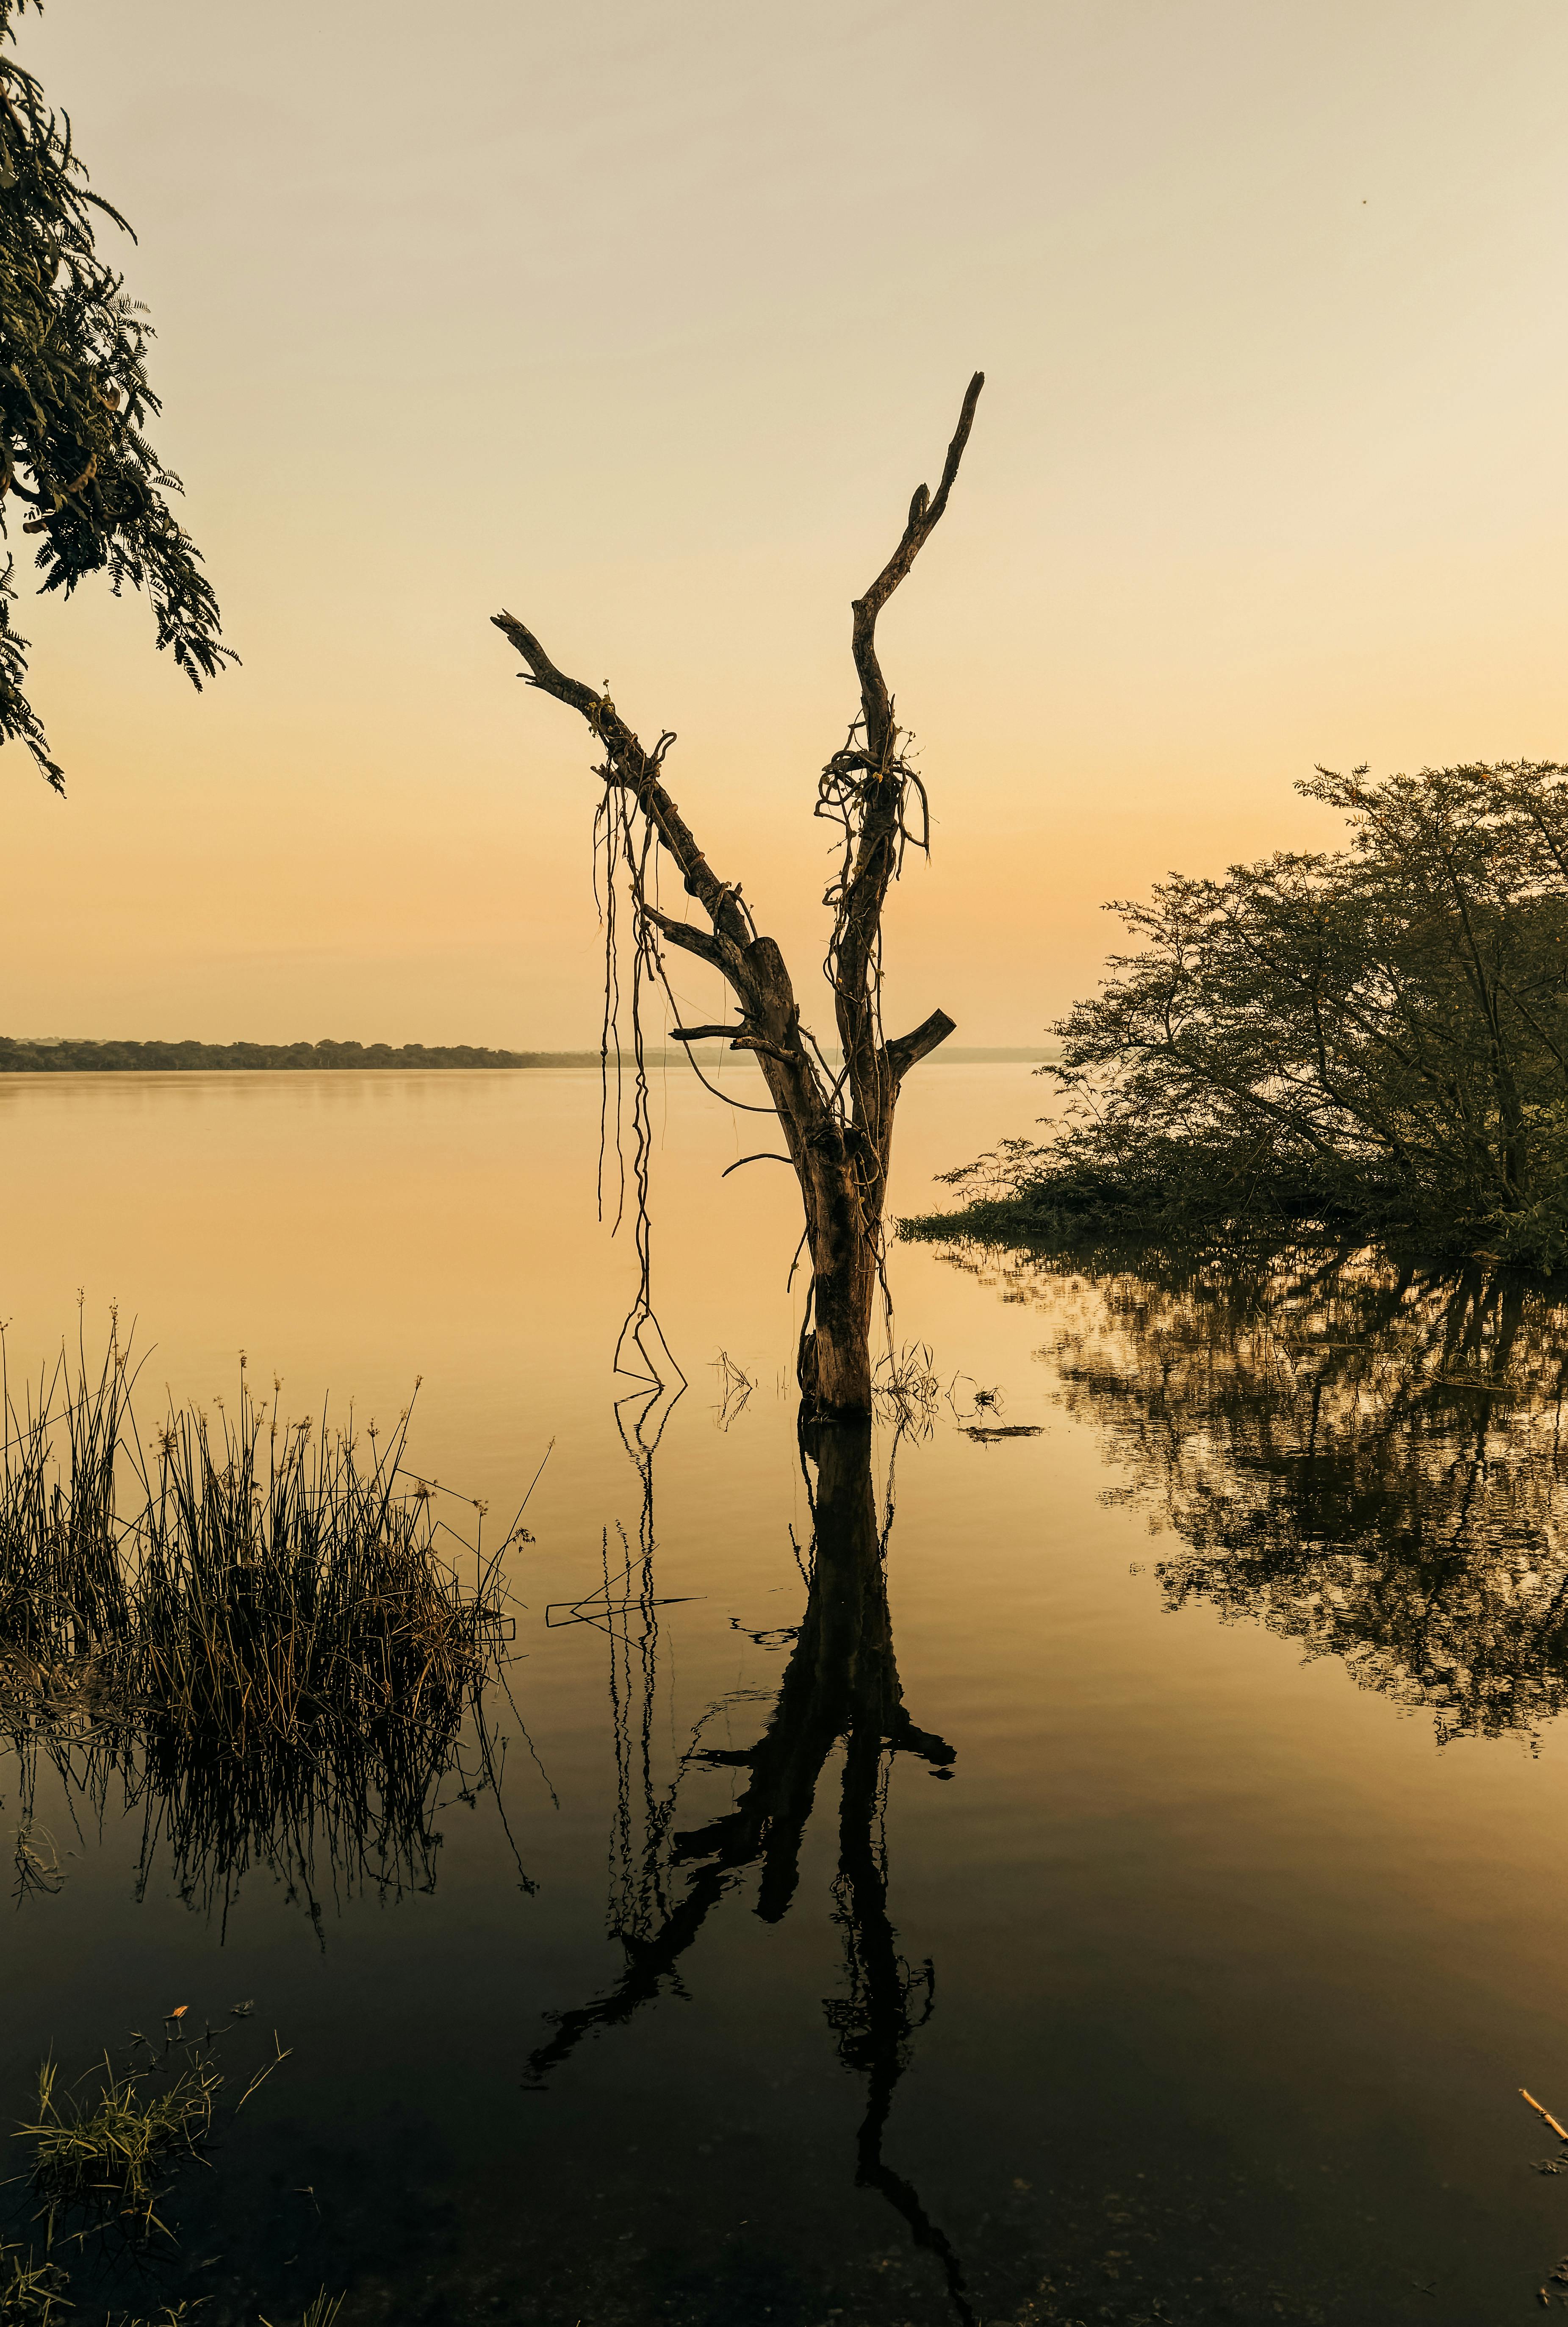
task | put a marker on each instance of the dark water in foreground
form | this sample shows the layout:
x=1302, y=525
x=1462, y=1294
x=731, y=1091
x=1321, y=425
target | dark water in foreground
x=1112, y=1873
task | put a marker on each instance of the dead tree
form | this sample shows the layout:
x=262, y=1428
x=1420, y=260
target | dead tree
x=837, y=1124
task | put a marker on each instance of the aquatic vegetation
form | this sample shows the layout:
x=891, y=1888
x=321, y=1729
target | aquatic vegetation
x=103, y=2155
x=321, y=2312
x=255, y=1581
x=31, y=2293
x=106, y=2156
x=34, y=2293
x=256, y=1627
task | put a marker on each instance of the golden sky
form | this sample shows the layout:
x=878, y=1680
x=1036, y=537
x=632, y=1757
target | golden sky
x=644, y=320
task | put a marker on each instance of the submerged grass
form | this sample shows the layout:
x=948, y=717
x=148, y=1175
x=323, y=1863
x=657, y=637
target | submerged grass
x=106, y=2157
x=262, y=1629
x=104, y=2153
x=321, y=2312
x=102, y=2148
x=31, y=2293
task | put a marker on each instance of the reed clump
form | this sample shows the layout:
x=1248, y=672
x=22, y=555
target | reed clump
x=284, y=1589
x=65, y=1601
x=247, y=1587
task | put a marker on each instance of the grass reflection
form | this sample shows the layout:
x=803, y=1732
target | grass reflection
x=255, y=1636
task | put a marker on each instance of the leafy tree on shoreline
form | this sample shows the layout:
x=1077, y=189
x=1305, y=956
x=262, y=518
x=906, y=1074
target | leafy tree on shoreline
x=1376, y=1036
x=74, y=403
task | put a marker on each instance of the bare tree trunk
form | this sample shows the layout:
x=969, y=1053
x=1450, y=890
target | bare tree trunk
x=837, y=1130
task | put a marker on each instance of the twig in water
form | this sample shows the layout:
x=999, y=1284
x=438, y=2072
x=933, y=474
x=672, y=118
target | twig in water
x=736, y=1387
x=261, y=2076
x=1551, y=2120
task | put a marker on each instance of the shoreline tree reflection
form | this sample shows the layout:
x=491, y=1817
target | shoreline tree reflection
x=840, y=1684
x=1364, y=1455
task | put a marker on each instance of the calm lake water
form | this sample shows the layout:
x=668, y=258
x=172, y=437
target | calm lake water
x=1172, y=1948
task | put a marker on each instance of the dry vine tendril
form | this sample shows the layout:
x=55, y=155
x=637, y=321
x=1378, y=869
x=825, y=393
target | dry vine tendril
x=836, y=1126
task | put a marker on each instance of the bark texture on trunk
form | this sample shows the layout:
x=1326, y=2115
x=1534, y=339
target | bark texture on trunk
x=837, y=1128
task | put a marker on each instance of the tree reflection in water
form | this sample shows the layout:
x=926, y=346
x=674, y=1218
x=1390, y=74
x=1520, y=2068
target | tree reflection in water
x=841, y=1684
x=1367, y=1455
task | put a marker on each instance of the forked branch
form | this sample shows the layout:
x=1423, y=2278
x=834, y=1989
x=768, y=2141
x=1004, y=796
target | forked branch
x=871, y=807
x=924, y=516
x=837, y=1125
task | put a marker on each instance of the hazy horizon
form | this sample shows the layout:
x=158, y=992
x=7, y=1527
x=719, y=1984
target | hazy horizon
x=645, y=324
x=585, y=1050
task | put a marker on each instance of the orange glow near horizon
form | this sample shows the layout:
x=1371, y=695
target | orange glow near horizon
x=644, y=322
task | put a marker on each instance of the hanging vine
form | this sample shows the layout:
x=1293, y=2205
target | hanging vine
x=837, y=1122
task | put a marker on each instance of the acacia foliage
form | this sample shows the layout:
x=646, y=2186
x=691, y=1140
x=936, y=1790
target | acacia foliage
x=1377, y=1036
x=76, y=466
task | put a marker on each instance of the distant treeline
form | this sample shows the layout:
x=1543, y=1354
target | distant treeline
x=64, y=1058
x=52, y=1057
